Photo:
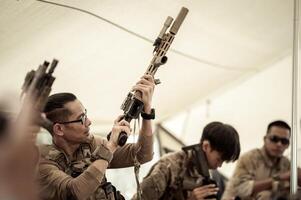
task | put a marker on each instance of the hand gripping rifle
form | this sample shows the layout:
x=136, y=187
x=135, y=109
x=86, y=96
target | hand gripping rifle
x=37, y=87
x=200, y=161
x=132, y=105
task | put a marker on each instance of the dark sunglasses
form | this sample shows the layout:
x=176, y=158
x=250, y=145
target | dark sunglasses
x=82, y=119
x=276, y=139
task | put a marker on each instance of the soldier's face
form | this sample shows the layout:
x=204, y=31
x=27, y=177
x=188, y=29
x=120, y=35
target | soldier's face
x=76, y=132
x=214, y=157
x=276, y=141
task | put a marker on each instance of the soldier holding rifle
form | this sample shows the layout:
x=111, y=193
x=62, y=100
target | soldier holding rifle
x=74, y=166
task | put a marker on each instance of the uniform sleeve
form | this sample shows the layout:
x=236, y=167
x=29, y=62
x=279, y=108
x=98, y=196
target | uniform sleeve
x=154, y=184
x=242, y=182
x=56, y=184
x=124, y=156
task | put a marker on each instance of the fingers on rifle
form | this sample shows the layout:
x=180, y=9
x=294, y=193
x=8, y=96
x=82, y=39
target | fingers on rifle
x=143, y=88
x=143, y=82
x=118, y=119
x=125, y=129
x=124, y=123
x=148, y=77
x=147, y=82
x=118, y=129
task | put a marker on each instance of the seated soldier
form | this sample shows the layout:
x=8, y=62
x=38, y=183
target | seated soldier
x=263, y=171
x=176, y=175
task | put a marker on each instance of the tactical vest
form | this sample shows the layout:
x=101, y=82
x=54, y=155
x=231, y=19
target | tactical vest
x=182, y=184
x=105, y=191
x=174, y=189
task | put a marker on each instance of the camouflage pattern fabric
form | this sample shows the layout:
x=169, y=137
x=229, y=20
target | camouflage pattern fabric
x=170, y=178
x=252, y=166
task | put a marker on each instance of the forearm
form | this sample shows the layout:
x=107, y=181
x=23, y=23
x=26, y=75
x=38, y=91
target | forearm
x=262, y=185
x=248, y=188
x=101, y=165
x=146, y=128
x=86, y=184
x=145, y=142
x=242, y=187
x=56, y=184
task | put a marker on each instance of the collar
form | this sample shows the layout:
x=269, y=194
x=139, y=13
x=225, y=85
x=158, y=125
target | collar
x=191, y=168
x=268, y=161
x=80, y=151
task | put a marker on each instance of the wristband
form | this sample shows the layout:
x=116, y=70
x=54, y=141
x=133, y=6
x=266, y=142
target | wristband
x=148, y=116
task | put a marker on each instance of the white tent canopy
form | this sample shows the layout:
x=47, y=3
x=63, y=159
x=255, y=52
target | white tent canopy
x=249, y=107
x=101, y=59
x=105, y=46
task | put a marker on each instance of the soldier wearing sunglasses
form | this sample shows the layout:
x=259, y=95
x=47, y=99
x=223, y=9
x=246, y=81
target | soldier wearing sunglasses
x=261, y=173
x=74, y=166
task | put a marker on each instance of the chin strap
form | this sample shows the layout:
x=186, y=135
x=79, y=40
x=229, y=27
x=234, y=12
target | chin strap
x=137, y=163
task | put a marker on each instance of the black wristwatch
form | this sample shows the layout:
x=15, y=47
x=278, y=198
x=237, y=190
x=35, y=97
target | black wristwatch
x=148, y=116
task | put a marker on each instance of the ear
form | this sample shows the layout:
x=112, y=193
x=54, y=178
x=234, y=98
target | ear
x=206, y=146
x=58, y=129
x=264, y=139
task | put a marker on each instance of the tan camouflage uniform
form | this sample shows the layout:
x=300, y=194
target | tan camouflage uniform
x=60, y=178
x=170, y=178
x=252, y=166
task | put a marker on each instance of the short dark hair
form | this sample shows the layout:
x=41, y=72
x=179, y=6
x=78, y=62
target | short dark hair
x=278, y=123
x=54, y=108
x=224, y=139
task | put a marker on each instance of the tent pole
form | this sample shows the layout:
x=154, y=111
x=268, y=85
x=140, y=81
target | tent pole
x=295, y=109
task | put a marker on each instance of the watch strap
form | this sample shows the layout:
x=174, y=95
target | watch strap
x=148, y=116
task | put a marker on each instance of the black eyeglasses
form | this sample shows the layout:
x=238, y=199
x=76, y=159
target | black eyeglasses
x=82, y=119
x=276, y=139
